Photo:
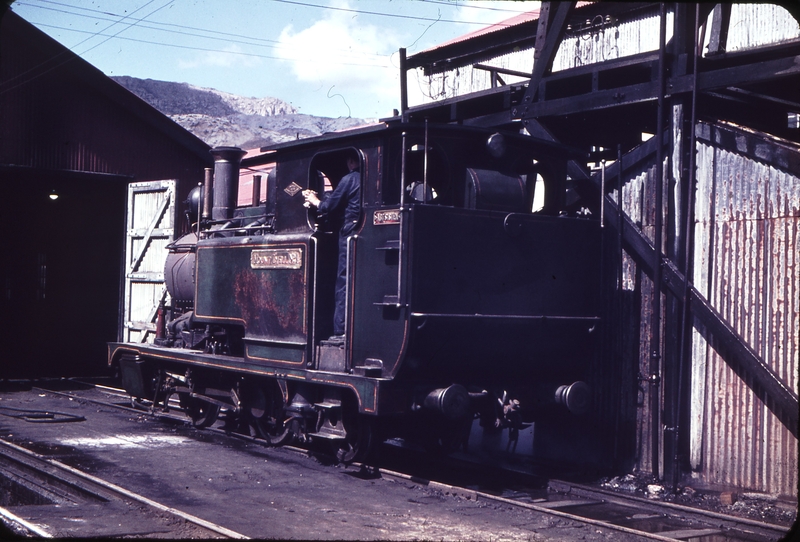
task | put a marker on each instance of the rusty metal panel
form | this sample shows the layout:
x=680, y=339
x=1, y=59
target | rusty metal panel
x=746, y=246
x=638, y=202
x=150, y=227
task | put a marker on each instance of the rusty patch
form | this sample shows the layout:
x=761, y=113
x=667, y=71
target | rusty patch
x=272, y=303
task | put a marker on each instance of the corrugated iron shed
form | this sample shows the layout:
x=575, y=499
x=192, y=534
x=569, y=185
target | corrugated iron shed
x=67, y=129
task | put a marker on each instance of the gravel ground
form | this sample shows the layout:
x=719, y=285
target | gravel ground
x=759, y=507
x=265, y=493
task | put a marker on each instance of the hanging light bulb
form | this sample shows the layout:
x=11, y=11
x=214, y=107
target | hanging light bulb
x=53, y=195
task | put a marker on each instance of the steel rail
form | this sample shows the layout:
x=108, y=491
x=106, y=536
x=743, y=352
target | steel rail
x=455, y=490
x=121, y=491
x=593, y=492
x=35, y=529
x=608, y=497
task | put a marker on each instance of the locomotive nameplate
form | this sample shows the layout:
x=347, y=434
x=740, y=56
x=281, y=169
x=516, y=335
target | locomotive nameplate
x=382, y=218
x=277, y=258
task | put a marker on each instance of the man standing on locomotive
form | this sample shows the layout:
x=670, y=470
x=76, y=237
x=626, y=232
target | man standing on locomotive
x=344, y=204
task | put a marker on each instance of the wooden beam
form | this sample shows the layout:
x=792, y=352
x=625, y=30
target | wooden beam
x=548, y=38
x=720, y=22
x=743, y=75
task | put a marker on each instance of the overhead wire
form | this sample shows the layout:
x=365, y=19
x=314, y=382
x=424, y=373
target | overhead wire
x=185, y=30
x=209, y=34
x=365, y=12
x=247, y=40
x=63, y=53
x=207, y=50
x=469, y=6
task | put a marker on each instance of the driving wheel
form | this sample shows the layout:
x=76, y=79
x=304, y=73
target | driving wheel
x=265, y=407
x=359, y=439
x=202, y=413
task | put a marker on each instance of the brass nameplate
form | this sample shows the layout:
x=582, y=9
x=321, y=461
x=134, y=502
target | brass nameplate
x=277, y=258
x=381, y=218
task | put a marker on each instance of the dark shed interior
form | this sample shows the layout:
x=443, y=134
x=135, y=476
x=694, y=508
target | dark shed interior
x=67, y=129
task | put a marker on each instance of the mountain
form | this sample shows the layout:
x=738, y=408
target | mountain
x=223, y=119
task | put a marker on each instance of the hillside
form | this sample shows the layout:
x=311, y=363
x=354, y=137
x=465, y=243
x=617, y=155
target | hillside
x=223, y=119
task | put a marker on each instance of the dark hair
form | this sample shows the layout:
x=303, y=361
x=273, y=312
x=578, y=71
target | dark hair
x=353, y=155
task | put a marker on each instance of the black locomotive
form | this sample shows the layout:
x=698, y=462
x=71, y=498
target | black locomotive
x=472, y=293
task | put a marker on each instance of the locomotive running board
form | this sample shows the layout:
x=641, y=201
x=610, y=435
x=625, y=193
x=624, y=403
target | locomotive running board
x=368, y=390
x=506, y=316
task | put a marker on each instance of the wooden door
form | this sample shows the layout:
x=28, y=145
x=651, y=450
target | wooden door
x=150, y=226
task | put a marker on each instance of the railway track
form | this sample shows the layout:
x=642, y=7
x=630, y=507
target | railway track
x=650, y=519
x=65, y=486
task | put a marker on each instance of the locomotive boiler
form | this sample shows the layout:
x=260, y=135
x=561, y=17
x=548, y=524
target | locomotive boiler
x=472, y=293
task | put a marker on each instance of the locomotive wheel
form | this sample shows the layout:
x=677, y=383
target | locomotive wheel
x=265, y=406
x=360, y=438
x=201, y=413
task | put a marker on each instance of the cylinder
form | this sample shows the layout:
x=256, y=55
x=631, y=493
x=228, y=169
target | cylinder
x=226, y=181
x=452, y=401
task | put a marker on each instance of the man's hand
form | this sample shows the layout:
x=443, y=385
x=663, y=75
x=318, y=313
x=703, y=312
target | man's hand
x=311, y=198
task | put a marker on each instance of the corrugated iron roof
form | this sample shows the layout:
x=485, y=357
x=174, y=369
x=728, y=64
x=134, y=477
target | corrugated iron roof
x=513, y=21
x=104, y=84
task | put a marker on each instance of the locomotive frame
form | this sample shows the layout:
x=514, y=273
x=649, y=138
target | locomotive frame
x=472, y=293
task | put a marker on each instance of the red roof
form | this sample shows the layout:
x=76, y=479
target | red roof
x=513, y=21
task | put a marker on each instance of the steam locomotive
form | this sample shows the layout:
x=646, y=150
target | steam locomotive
x=472, y=293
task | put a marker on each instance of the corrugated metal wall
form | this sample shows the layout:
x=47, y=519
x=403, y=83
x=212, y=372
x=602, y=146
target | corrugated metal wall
x=756, y=24
x=747, y=246
x=467, y=79
x=747, y=239
x=633, y=317
x=752, y=25
x=610, y=41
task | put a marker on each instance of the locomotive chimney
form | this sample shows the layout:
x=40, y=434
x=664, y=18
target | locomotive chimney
x=226, y=181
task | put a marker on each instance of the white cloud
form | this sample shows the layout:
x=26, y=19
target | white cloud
x=340, y=54
x=231, y=56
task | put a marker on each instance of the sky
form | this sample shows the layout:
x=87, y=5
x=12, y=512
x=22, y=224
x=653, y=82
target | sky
x=331, y=58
